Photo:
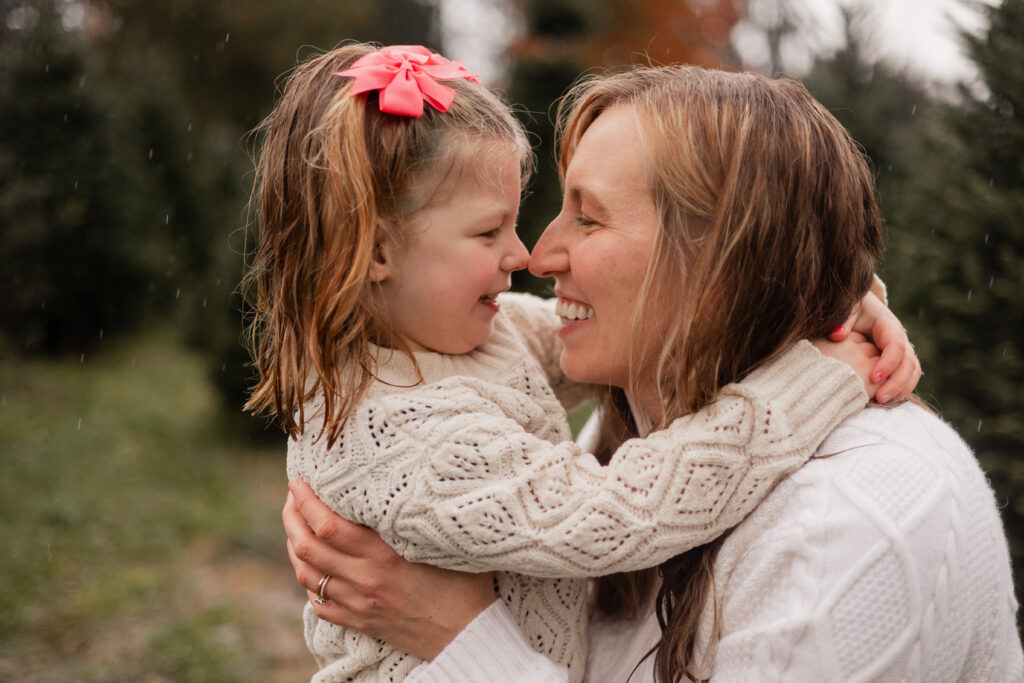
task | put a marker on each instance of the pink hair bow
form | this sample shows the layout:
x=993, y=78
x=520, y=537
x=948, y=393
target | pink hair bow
x=406, y=77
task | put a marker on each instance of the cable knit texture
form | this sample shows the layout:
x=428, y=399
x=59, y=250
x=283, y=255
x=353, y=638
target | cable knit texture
x=474, y=471
x=882, y=559
x=884, y=562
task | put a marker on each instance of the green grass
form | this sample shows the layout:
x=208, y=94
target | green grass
x=143, y=539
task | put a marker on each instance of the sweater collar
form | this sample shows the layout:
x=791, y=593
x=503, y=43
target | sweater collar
x=644, y=424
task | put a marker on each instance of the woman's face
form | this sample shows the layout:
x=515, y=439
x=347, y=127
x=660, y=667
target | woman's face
x=598, y=249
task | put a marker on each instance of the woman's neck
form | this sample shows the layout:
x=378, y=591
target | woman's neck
x=641, y=415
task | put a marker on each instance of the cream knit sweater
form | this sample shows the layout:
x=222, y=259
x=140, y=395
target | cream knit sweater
x=474, y=470
x=883, y=559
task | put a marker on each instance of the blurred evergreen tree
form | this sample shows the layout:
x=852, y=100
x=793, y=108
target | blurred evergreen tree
x=957, y=269
x=950, y=174
x=76, y=195
x=124, y=163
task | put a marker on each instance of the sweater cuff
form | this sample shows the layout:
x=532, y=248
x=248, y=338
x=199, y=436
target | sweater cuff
x=878, y=289
x=490, y=648
x=814, y=391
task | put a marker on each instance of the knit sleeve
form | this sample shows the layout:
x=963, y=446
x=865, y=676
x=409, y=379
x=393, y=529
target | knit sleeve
x=878, y=289
x=453, y=479
x=537, y=325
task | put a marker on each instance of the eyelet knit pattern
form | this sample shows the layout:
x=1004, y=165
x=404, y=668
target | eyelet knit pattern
x=474, y=471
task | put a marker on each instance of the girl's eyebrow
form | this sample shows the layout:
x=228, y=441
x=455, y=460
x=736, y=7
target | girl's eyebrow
x=496, y=216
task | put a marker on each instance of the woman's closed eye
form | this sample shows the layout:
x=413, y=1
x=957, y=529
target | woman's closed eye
x=585, y=222
x=490, y=234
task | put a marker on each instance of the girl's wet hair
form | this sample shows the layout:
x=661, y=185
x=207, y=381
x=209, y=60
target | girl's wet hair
x=336, y=178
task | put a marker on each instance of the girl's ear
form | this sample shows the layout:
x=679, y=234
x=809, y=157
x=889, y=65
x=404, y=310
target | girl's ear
x=380, y=266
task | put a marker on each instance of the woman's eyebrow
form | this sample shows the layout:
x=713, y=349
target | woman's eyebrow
x=594, y=205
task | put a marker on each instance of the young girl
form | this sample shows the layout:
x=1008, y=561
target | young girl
x=387, y=234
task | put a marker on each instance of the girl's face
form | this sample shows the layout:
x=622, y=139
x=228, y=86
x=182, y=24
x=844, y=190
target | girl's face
x=598, y=249
x=440, y=286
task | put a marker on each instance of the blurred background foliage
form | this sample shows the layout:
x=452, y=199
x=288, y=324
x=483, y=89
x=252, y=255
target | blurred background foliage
x=140, y=506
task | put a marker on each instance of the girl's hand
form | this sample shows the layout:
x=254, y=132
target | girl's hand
x=897, y=370
x=417, y=608
x=859, y=353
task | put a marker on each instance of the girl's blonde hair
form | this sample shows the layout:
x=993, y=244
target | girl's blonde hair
x=768, y=233
x=336, y=178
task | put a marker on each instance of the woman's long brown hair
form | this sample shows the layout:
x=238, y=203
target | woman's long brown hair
x=769, y=233
x=336, y=178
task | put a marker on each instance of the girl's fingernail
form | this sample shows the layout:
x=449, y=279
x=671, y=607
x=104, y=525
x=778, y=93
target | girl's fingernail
x=879, y=377
x=882, y=398
x=837, y=330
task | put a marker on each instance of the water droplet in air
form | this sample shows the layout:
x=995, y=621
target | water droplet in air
x=150, y=152
x=979, y=425
x=79, y=424
x=82, y=359
x=970, y=293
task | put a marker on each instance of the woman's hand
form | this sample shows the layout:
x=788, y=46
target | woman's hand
x=417, y=608
x=897, y=370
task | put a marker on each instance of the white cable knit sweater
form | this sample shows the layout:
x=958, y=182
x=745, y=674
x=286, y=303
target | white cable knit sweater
x=881, y=559
x=474, y=471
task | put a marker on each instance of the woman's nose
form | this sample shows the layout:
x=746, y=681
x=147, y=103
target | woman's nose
x=549, y=256
x=517, y=257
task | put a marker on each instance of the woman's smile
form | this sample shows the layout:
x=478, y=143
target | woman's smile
x=598, y=249
x=572, y=311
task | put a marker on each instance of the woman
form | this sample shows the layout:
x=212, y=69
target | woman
x=749, y=196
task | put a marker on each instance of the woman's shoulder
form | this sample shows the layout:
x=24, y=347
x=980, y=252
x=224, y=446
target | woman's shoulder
x=889, y=467
x=888, y=537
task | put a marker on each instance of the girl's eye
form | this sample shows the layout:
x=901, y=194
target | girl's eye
x=584, y=221
x=490, y=234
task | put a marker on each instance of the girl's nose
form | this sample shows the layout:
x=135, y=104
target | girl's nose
x=517, y=257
